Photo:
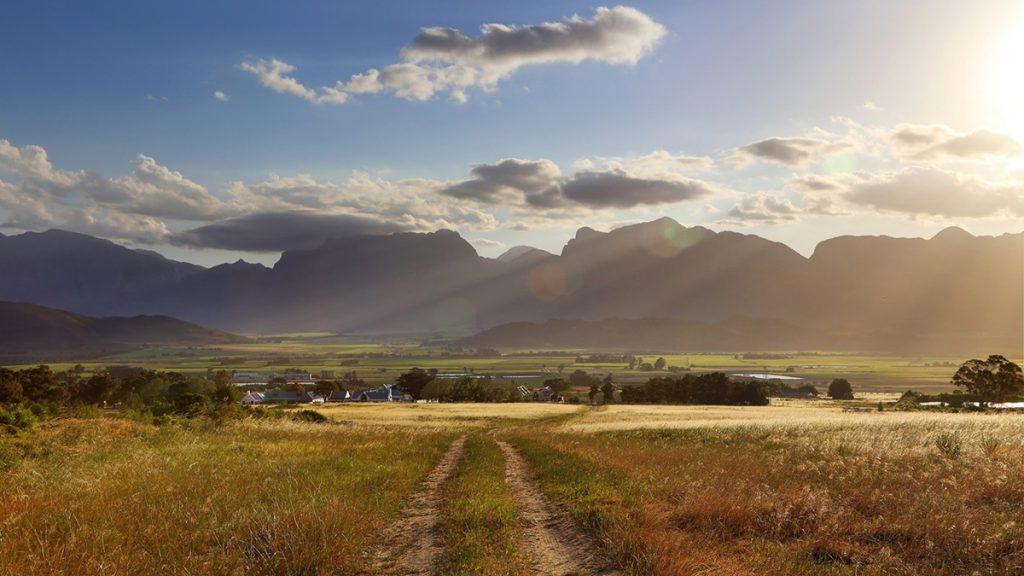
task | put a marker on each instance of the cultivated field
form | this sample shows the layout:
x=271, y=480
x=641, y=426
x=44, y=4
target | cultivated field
x=791, y=488
x=377, y=362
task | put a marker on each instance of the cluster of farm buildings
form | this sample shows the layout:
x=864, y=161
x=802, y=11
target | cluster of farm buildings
x=385, y=393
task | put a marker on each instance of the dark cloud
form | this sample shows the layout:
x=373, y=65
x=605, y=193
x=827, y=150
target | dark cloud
x=788, y=151
x=619, y=189
x=494, y=183
x=277, y=231
x=935, y=142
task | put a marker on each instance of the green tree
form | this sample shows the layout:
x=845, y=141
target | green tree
x=413, y=381
x=840, y=389
x=594, y=390
x=224, y=389
x=608, y=390
x=10, y=387
x=557, y=384
x=326, y=387
x=659, y=364
x=993, y=380
x=98, y=389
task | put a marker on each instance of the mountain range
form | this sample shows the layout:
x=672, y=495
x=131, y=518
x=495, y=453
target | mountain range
x=33, y=331
x=954, y=291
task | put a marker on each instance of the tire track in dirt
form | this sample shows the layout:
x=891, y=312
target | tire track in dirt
x=552, y=542
x=411, y=546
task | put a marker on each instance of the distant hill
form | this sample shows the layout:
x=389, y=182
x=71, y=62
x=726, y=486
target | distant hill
x=954, y=292
x=38, y=332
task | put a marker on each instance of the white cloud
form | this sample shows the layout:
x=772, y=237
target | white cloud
x=221, y=96
x=764, y=208
x=443, y=60
x=934, y=192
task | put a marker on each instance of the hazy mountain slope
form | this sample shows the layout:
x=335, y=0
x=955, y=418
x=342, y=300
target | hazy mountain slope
x=82, y=273
x=954, y=291
x=42, y=332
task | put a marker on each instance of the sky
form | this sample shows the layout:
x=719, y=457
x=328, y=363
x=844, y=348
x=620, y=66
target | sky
x=212, y=131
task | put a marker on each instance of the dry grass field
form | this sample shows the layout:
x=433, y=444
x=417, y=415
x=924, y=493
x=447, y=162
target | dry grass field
x=800, y=488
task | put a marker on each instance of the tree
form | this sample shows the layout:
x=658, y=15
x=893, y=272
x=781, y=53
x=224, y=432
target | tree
x=557, y=384
x=561, y=367
x=840, y=389
x=296, y=387
x=413, y=381
x=10, y=387
x=98, y=389
x=580, y=378
x=224, y=389
x=325, y=387
x=659, y=364
x=594, y=389
x=608, y=390
x=993, y=380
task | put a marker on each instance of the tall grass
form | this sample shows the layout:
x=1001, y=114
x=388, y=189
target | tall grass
x=107, y=496
x=916, y=498
x=480, y=526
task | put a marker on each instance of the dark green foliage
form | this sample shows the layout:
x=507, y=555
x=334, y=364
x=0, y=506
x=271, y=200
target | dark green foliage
x=98, y=389
x=192, y=404
x=468, y=389
x=16, y=417
x=711, y=389
x=993, y=380
x=840, y=389
x=10, y=387
x=414, y=381
x=659, y=364
x=310, y=416
x=557, y=384
x=225, y=391
x=608, y=390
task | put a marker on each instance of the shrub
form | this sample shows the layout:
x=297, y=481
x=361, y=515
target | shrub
x=192, y=404
x=310, y=416
x=949, y=444
x=17, y=417
x=840, y=389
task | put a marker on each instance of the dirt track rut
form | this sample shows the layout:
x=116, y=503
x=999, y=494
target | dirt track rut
x=552, y=542
x=411, y=546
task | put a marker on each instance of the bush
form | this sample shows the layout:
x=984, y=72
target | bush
x=949, y=444
x=840, y=389
x=310, y=416
x=192, y=404
x=16, y=417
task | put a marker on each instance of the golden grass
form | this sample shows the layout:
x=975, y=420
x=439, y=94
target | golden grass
x=117, y=497
x=900, y=494
x=437, y=415
x=786, y=414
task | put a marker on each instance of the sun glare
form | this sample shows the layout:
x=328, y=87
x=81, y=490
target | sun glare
x=1007, y=91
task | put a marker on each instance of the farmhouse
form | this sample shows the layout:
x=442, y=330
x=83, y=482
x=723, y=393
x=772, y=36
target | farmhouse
x=385, y=393
x=339, y=396
x=288, y=397
x=251, y=398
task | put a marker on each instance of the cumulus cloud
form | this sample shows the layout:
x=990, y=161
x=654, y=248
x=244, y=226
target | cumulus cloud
x=506, y=181
x=935, y=192
x=152, y=200
x=539, y=184
x=221, y=96
x=620, y=189
x=447, y=60
x=279, y=231
x=791, y=151
x=656, y=163
x=486, y=243
x=764, y=208
x=930, y=142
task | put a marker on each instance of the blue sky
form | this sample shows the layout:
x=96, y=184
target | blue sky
x=96, y=86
